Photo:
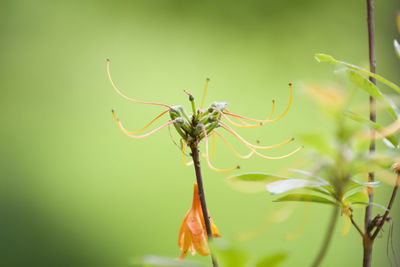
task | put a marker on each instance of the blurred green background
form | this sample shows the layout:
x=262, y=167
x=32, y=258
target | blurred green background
x=75, y=191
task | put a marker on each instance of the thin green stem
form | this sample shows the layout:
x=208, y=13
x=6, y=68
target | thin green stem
x=328, y=237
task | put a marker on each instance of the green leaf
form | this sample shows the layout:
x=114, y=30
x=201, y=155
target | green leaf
x=372, y=124
x=151, y=260
x=396, y=47
x=364, y=203
x=356, y=197
x=372, y=90
x=227, y=254
x=305, y=198
x=286, y=185
x=328, y=58
x=252, y=182
x=367, y=184
x=356, y=186
x=318, y=142
x=272, y=261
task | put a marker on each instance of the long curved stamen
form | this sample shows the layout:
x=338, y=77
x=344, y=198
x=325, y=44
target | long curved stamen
x=124, y=96
x=268, y=120
x=183, y=155
x=139, y=136
x=208, y=158
x=150, y=123
x=213, y=146
x=247, y=124
x=258, y=153
x=235, y=124
x=232, y=149
x=204, y=93
x=251, y=145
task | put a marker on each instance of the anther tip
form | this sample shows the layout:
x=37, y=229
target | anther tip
x=261, y=123
x=290, y=84
x=273, y=100
x=112, y=111
x=208, y=79
x=107, y=59
x=292, y=139
x=238, y=167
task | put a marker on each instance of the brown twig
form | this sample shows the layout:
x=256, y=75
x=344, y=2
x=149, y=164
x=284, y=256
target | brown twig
x=356, y=225
x=367, y=241
x=372, y=103
x=389, y=207
x=196, y=163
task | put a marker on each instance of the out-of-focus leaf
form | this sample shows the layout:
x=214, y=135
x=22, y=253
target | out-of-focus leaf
x=371, y=89
x=356, y=197
x=286, y=185
x=227, y=254
x=151, y=260
x=318, y=142
x=372, y=124
x=272, y=261
x=396, y=47
x=364, y=203
x=367, y=184
x=305, y=198
x=355, y=186
x=328, y=58
x=252, y=182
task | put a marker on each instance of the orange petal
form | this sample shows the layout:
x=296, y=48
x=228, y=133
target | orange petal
x=214, y=229
x=181, y=231
x=187, y=242
x=199, y=237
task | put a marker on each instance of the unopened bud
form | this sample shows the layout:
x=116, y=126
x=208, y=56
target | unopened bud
x=396, y=167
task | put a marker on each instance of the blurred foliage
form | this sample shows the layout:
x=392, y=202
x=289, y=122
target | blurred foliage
x=76, y=192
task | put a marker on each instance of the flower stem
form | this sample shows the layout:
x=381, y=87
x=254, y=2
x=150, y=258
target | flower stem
x=368, y=242
x=328, y=238
x=196, y=163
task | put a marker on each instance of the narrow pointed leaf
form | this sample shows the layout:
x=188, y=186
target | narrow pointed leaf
x=286, y=185
x=305, y=198
x=328, y=58
x=372, y=124
x=364, y=203
x=357, y=197
x=371, y=89
x=396, y=47
x=252, y=182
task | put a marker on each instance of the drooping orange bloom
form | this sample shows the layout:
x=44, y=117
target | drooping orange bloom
x=193, y=233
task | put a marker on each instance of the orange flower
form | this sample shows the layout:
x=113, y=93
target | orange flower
x=193, y=234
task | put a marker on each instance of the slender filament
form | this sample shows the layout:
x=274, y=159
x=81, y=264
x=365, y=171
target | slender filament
x=150, y=123
x=235, y=124
x=212, y=148
x=268, y=120
x=204, y=93
x=258, y=153
x=124, y=96
x=208, y=158
x=140, y=136
x=247, y=124
x=251, y=145
x=183, y=155
x=232, y=149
